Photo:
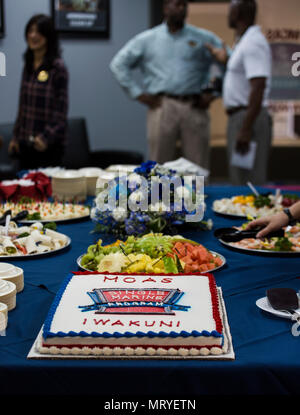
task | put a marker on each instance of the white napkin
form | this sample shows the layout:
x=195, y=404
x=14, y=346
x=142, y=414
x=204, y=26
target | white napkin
x=183, y=165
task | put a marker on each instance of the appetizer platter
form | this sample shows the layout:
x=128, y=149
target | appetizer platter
x=285, y=241
x=151, y=253
x=28, y=241
x=45, y=211
x=242, y=206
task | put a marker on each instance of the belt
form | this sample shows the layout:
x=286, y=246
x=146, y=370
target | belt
x=233, y=110
x=181, y=97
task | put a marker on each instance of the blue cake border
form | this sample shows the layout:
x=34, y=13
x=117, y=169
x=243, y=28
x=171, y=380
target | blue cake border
x=48, y=321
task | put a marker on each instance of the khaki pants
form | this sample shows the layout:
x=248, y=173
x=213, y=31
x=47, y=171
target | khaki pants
x=176, y=120
x=262, y=135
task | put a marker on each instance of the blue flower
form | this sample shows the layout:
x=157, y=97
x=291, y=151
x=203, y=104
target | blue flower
x=134, y=226
x=145, y=168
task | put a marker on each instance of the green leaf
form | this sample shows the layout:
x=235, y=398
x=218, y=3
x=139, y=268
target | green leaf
x=34, y=216
x=50, y=225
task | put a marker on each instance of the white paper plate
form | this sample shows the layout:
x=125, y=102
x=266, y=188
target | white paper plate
x=263, y=304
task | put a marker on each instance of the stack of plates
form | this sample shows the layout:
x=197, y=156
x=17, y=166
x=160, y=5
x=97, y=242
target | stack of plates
x=9, y=272
x=8, y=293
x=91, y=175
x=69, y=186
x=122, y=168
x=3, y=316
x=103, y=179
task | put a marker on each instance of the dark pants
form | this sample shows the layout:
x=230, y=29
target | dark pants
x=29, y=158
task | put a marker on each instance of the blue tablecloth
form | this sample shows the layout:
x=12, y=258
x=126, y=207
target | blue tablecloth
x=267, y=354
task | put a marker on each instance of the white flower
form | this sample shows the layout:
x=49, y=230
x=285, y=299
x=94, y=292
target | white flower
x=160, y=208
x=93, y=212
x=119, y=214
x=155, y=179
x=135, y=178
x=136, y=196
x=210, y=224
x=183, y=192
x=99, y=199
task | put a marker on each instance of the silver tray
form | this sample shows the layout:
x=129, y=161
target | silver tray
x=259, y=251
x=30, y=222
x=37, y=255
x=211, y=270
x=230, y=215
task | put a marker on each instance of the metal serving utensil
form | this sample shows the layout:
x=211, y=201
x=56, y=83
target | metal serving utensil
x=236, y=235
x=3, y=217
x=284, y=299
x=20, y=216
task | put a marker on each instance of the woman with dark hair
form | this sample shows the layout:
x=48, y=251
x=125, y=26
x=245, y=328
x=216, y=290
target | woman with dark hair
x=40, y=130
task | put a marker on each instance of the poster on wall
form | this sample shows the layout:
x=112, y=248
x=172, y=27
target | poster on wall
x=281, y=28
x=1, y=19
x=82, y=17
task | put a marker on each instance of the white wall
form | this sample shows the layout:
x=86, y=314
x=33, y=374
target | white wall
x=113, y=120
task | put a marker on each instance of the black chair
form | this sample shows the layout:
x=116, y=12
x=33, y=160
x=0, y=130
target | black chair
x=105, y=158
x=8, y=165
x=77, y=152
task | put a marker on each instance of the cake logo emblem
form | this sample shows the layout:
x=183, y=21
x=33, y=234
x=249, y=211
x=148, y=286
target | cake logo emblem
x=135, y=301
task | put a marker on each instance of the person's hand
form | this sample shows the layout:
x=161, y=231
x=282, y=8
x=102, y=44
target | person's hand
x=13, y=147
x=204, y=101
x=152, y=101
x=271, y=223
x=40, y=144
x=243, y=141
x=219, y=54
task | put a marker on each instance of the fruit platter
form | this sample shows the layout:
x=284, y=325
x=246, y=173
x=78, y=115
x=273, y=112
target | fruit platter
x=45, y=211
x=287, y=242
x=254, y=206
x=152, y=253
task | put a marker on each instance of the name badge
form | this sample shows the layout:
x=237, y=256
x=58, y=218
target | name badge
x=43, y=76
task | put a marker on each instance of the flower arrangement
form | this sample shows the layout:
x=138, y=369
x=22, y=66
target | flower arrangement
x=151, y=199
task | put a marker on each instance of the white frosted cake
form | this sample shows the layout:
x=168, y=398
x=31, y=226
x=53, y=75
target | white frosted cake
x=124, y=315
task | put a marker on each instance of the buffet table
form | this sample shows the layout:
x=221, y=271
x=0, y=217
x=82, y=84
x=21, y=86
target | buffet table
x=267, y=359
